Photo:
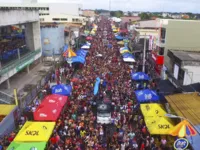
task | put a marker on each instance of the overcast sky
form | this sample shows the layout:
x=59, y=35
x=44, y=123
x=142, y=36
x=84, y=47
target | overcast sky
x=134, y=5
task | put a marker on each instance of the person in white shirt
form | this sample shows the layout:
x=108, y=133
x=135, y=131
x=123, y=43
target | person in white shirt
x=123, y=146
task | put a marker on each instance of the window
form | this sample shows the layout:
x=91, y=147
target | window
x=161, y=51
x=73, y=19
x=163, y=34
x=56, y=19
x=64, y=19
x=41, y=19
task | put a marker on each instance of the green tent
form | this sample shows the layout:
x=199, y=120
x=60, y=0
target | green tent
x=27, y=146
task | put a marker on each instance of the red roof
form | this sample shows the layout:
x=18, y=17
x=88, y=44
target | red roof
x=50, y=108
x=127, y=19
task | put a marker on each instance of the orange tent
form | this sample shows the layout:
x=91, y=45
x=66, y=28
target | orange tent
x=69, y=53
x=183, y=129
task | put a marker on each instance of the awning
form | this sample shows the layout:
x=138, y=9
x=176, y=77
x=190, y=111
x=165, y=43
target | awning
x=35, y=132
x=159, y=125
x=152, y=110
x=187, y=105
x=27, y=146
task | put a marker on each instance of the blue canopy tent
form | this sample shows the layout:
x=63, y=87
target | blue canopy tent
x=139, y=76
x=78, y=59
x=118, y=37
x=81, y=52
x=96, y=86
x=127, y=55
x=146, y=96
x=62, y=89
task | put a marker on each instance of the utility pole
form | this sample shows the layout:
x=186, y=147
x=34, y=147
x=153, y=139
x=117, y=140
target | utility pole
x=144, y=54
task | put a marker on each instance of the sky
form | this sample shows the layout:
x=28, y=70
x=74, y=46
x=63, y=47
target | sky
x=133, y=5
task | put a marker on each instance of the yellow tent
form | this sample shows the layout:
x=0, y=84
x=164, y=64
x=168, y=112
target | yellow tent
x=120, y=42
x=35, y=132
x=152, y=110
x=6, y=109
x=159, y=125
x=71, y=53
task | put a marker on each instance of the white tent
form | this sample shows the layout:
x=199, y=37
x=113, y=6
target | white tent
x=128, y=59
x=85, y=47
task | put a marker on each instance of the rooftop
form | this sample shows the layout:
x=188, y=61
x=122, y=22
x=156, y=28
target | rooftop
x=186, y=105
x=185, y=55
x=149, y=24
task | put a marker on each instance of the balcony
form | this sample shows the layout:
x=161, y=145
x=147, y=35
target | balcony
x=19, y=62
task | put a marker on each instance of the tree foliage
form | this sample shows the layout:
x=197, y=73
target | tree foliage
x=117, y=13
x=144, y=16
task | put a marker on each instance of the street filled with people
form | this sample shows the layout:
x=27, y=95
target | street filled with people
x=78, y=127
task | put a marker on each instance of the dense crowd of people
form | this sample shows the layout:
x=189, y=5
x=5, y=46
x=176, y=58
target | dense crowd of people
x=77, y=127
x=11, y=44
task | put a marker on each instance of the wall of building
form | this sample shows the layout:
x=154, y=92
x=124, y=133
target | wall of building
x=183, y=35
x=52, y=44
x=32, y=35
x=65, y=8
x=12, y=17
x=7, y=125
x=192, y=74
x=62, y=19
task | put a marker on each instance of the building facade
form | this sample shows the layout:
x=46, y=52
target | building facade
x=52, y=45
x=184, y=67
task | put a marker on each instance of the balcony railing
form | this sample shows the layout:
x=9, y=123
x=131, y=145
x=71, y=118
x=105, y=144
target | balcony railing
x=17, y=62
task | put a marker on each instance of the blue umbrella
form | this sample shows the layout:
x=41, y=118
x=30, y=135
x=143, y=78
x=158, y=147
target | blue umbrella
x=146, y=96
x=118, y=37
x=62, y=89
x=139, y=76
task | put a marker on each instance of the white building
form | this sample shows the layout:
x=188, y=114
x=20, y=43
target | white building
x=52, y=10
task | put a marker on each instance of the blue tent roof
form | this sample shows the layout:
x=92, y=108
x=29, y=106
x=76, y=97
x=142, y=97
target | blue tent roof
x=62, y=89
x=146, y=96
x=78, y=59
x=140, y=76
x=127, y=55
x=81, y=52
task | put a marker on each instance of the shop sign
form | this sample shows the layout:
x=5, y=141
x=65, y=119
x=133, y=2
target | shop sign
x=181, y=144
x=20, y=67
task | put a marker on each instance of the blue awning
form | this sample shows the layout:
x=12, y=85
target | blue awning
x=62, y=89
x=195, y=140
x=146, y=96
x=140, y=76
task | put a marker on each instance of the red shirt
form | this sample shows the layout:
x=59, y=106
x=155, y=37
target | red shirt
x=53, y=140
x=142, y=147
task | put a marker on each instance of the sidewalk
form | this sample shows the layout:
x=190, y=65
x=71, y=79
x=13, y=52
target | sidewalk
x=21, y=79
